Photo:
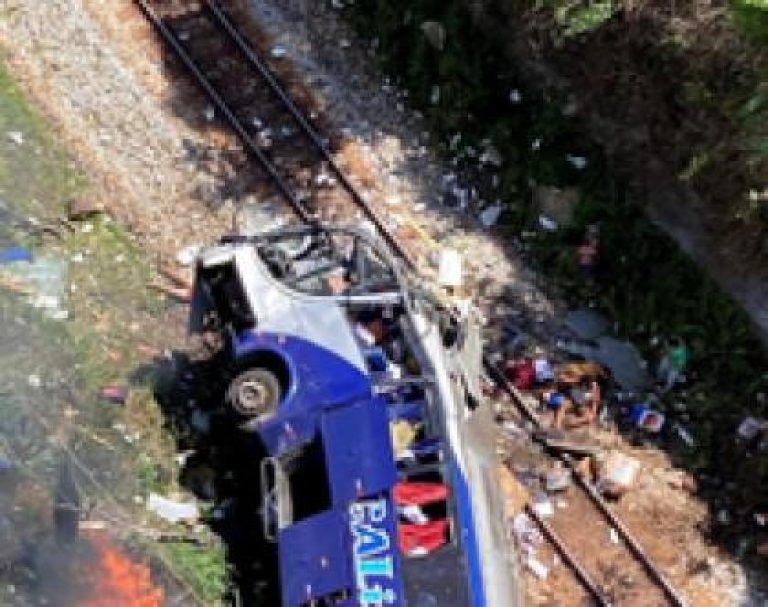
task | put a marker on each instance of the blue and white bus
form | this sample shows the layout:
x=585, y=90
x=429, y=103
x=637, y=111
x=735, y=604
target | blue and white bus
x=379, y=481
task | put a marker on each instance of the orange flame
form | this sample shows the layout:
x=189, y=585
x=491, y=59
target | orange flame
x=114, y=580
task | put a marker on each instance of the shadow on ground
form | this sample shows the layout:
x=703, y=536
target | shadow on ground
x=222, y=469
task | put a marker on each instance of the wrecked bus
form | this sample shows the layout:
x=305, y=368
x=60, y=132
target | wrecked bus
x=378, y=480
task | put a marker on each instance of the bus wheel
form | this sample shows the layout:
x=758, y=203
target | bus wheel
x=254, y=393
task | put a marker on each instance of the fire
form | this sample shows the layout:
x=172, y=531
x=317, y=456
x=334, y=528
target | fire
x=114, y=580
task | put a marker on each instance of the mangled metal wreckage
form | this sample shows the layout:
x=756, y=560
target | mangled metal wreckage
x=378, y=482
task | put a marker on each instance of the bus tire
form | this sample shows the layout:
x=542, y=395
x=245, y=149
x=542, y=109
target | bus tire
x=254, y=393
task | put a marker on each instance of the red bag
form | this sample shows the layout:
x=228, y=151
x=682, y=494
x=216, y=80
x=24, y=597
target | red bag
x=418, y=494
x=522, y=374
x=428, y=537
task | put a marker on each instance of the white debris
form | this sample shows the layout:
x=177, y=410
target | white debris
x=435, y=33
x=536, y=567
x=577, y=162
x=490, y=215
x=450, y=272
x=413, y=513
x=345, y=43
x=337, y=4
x=550, y=225
x=750, y=427
x=187, y=256
x=536, y=144
x=210, y=113
x=684, y=435
x=490, y=156
x=34, y=381
x=16, y=137
x=171, y=510
x=278, y=51
x=613, y=536
x=87, y=227
x=543, y=507
x=434, y=95
x=515, y=96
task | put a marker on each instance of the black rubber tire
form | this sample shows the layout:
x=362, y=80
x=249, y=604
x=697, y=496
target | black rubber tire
x=254, y=393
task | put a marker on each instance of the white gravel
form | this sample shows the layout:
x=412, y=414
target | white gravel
x=129, y=147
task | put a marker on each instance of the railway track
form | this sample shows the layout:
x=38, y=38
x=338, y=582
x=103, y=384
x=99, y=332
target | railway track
x=290, y=151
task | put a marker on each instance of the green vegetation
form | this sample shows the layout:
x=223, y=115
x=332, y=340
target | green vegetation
x=36, y=176
x=203, y=568
x=751, y=16
x=650, y=287
x=576, y=17
x=126, y=449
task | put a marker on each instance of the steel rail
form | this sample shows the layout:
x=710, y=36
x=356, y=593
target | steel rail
x=634, y=546
x=578, y=570
x=253, y=59
x=250, y=144
x=496, y=375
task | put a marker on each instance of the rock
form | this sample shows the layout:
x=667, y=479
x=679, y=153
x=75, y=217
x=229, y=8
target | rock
x=556, y=203
x=83, y=208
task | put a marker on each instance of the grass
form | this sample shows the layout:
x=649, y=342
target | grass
x=36, y=176
x=128, y=448
x=203, y=568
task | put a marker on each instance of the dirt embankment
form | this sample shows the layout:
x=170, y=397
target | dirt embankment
x=676, y=98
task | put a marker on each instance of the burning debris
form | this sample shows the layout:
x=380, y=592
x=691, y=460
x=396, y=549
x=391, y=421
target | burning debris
x=113, y=579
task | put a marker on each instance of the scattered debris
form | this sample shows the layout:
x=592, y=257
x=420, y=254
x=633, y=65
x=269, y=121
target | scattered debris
x=278, y=51
x=16, y=137
x=577, y=162
x=750, y=428
x=187, y=256
x=490, y=215
x=556, y=203
x=83, y=208
x=515, y=96
x=543, y=506
x=684, y=434
x=558, y=478
x=113, y=394
x=547, y=224
x=617, y=474
x=43, y=282
x=12, y=254
x=435, y=33
x=173, y=511
x=450, y=271
x=613, y=536
x=536, y=567
x=647, y=419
